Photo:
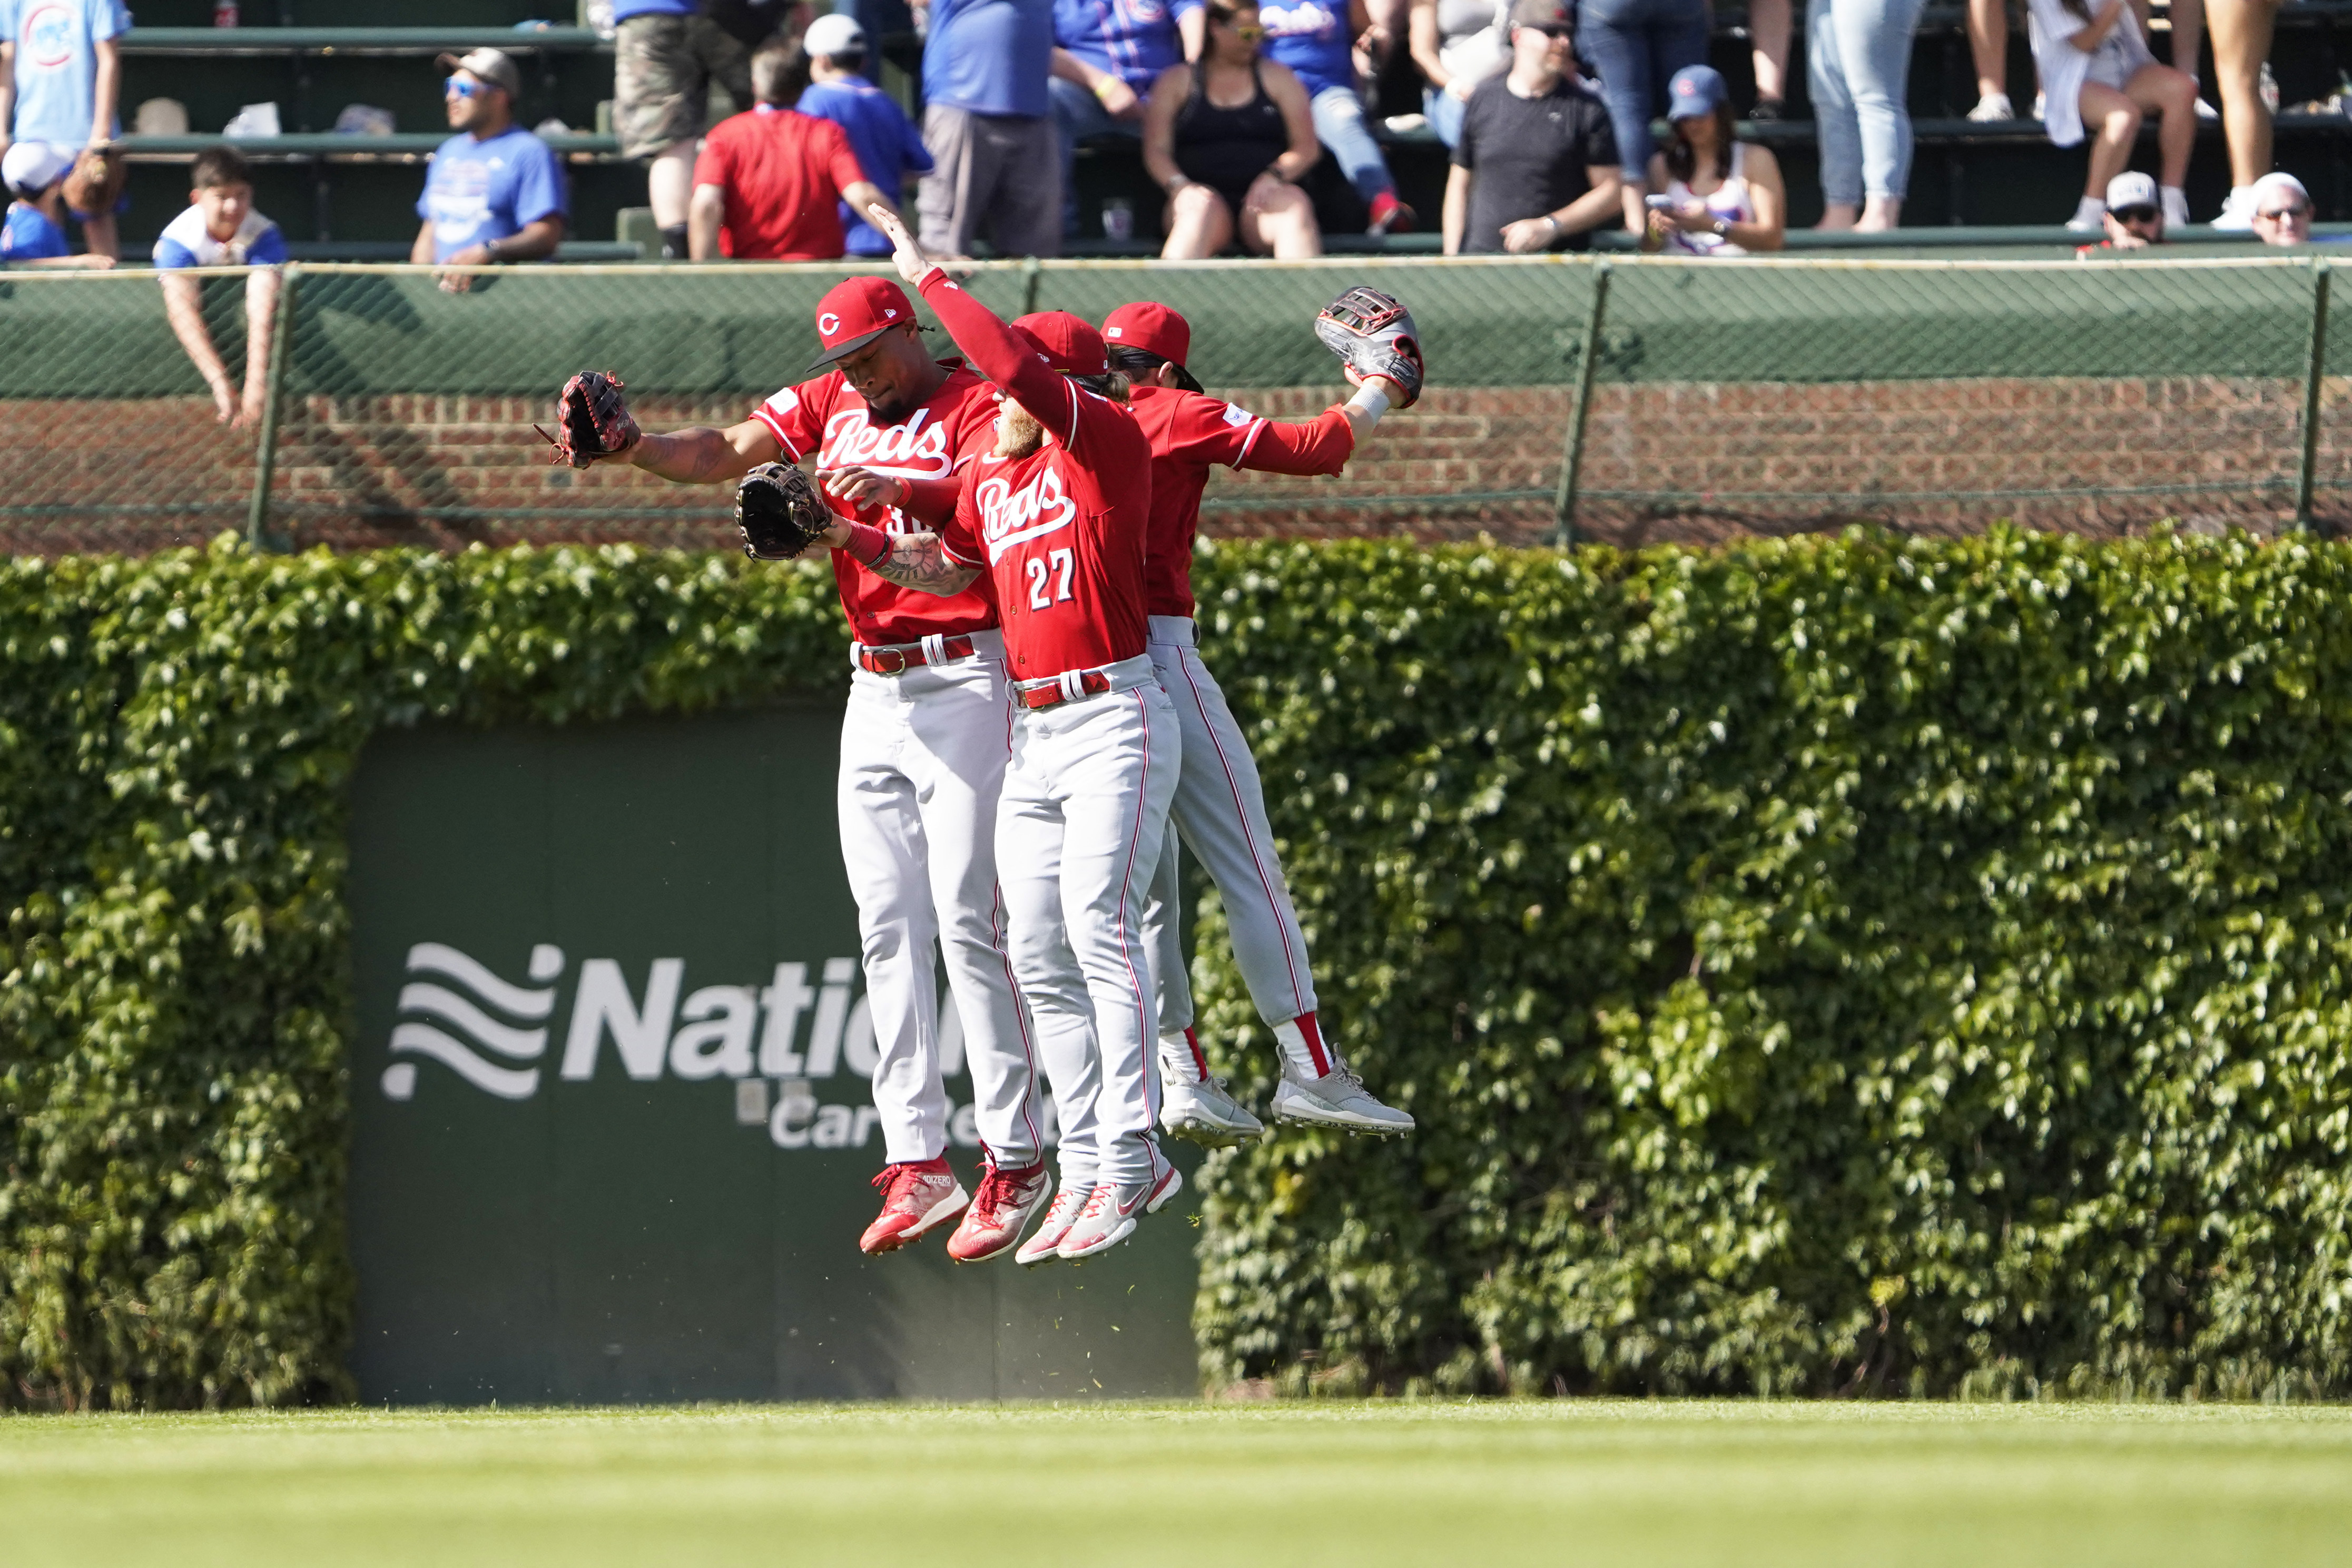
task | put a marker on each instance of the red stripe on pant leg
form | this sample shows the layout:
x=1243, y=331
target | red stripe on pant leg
x=1313, y=1034
x=1241, y=815
x=1200, y=1062
x=1134, y=837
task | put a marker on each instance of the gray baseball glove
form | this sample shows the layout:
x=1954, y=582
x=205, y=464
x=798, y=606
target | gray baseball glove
x=1373, y=336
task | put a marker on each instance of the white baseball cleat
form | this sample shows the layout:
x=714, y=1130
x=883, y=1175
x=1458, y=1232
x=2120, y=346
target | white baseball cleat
x=1111, y=1212
x=1206, y=1114
x=1045, y=1246
x=1337, y=1098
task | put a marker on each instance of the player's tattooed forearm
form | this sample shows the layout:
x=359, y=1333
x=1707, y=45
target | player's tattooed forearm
x=918, y=561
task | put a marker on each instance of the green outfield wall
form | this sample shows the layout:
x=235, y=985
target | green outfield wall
x=1844, y=966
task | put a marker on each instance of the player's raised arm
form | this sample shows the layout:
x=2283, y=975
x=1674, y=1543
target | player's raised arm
x=995, y=350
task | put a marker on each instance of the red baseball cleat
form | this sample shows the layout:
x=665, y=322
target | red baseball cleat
x=1007, y=1200
x=918, y=1198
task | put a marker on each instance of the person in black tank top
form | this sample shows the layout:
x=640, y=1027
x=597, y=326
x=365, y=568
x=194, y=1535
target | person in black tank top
x=1228, y=140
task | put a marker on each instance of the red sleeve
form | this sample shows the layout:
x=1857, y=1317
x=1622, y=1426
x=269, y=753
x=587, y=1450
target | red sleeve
x=842, y=160
x=959, y=535
x=794, y=417
x=1321, y=446
x=712, y=164
x=931, y=501
x=1005, y=359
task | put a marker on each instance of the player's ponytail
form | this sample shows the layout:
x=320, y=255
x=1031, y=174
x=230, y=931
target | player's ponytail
x=1141, y=364
x=1114, y=386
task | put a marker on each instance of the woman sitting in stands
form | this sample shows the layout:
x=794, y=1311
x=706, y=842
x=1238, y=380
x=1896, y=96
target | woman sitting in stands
x=1720, y=196
x=1228, y=140
x=2097, y=72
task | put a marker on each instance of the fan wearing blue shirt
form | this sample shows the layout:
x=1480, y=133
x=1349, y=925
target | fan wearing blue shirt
x=987, y=122
x=494, y=191
x=1317, y=39
x=34, y=233
x=1106, y=55
x=220, y=229
x=60, y=79
x=886, y=142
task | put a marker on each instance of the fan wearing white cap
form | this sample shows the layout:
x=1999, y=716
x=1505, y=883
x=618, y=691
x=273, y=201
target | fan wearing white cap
x=888, y=145
x=2280, y=210
x=2134, y=217
x=34, y=233
x=494, y=191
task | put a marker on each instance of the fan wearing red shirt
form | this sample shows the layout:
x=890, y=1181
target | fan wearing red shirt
x=1055, y=516
x=1219, y=809
x=768, y=182
x=924, y=744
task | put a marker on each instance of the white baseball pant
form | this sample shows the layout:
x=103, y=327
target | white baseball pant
x=1219, y=812
x=1078, y=835
x=923, y=755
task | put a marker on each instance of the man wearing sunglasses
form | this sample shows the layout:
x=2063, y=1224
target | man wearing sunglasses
x=2134, y=218
x=494, y=191
x=2281, y=210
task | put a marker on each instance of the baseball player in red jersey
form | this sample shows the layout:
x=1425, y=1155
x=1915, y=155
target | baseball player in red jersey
x=1220, y=807
x=924, y=744
x=1056, y=515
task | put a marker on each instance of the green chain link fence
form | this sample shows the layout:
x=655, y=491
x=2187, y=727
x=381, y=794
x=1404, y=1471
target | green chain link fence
x=1625, y=400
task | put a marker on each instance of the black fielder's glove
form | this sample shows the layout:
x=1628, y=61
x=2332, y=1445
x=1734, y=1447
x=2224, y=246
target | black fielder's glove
x=1373, y=336
x=778, y=512
x=592, y=419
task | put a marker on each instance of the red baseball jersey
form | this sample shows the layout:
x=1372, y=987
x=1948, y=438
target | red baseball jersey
x=782, y=174
x=824, y=419
x=1189, y=431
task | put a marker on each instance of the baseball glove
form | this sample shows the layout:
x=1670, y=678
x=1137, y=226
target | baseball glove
x=1373, y=336
x=97, y=181
x=592, y=419
x=778, y=512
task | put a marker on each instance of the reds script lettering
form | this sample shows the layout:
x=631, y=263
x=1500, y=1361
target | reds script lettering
x=1008, y=517
x=917, y=449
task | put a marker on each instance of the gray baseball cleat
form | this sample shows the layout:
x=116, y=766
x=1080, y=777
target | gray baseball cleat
x=1111, y=1211
x=1337, y=1098
x=1206, y=1114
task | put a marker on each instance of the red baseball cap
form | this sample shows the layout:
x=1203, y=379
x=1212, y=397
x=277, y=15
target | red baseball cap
x=1152, y=327
x=856, y=312
x=1068, y=343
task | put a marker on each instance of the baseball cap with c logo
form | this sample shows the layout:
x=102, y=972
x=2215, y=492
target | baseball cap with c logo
x=856, y=312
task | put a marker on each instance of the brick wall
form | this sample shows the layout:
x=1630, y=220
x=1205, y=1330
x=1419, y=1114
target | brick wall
x=1663, y=463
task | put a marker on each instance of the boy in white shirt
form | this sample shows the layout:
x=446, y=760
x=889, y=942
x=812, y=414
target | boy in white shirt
x=221, y=229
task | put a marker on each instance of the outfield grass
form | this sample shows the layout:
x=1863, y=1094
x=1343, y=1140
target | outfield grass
x=1562, y=1481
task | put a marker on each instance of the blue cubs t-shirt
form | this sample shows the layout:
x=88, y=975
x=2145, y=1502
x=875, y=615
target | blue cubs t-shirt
x=56, y=65
x=884, y=140
x=185, y=242
x=1311, y=38
x=1134, y=40
x=476, y=192
x=28, y=235
x=988, y=57
x=624, y=9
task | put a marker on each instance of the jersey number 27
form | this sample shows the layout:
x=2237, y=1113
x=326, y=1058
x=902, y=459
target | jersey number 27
x=1053, y=570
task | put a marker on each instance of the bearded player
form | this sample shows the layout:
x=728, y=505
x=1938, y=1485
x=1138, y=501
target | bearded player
x=1056, y=515
x=1219, y=806
x=924, y=744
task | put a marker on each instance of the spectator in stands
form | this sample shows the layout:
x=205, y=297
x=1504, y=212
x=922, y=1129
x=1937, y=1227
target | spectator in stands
x=2134, y=218
x=1537, y=168
x=1858, y=64
x=2280, y=210
x=1324, y=42
x=2096, y=70
x=987, y=121
x=60, y=82
x=35, y=232
x=1107, y=55
x=221, y=229
x=770, y=183
x=1457, y=44
x=886, y=142
x=1229, y=139
x=1636, y=46
x=2242, y=49
x=1769, y=23
x=666, y=55
x=1720, y=196
x=494, y=191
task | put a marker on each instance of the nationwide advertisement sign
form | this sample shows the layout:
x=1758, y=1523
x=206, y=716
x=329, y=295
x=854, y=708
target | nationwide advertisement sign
x=613, y=1132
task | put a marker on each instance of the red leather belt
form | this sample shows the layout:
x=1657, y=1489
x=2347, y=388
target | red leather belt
x=899, y=660
x=1050, y=693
